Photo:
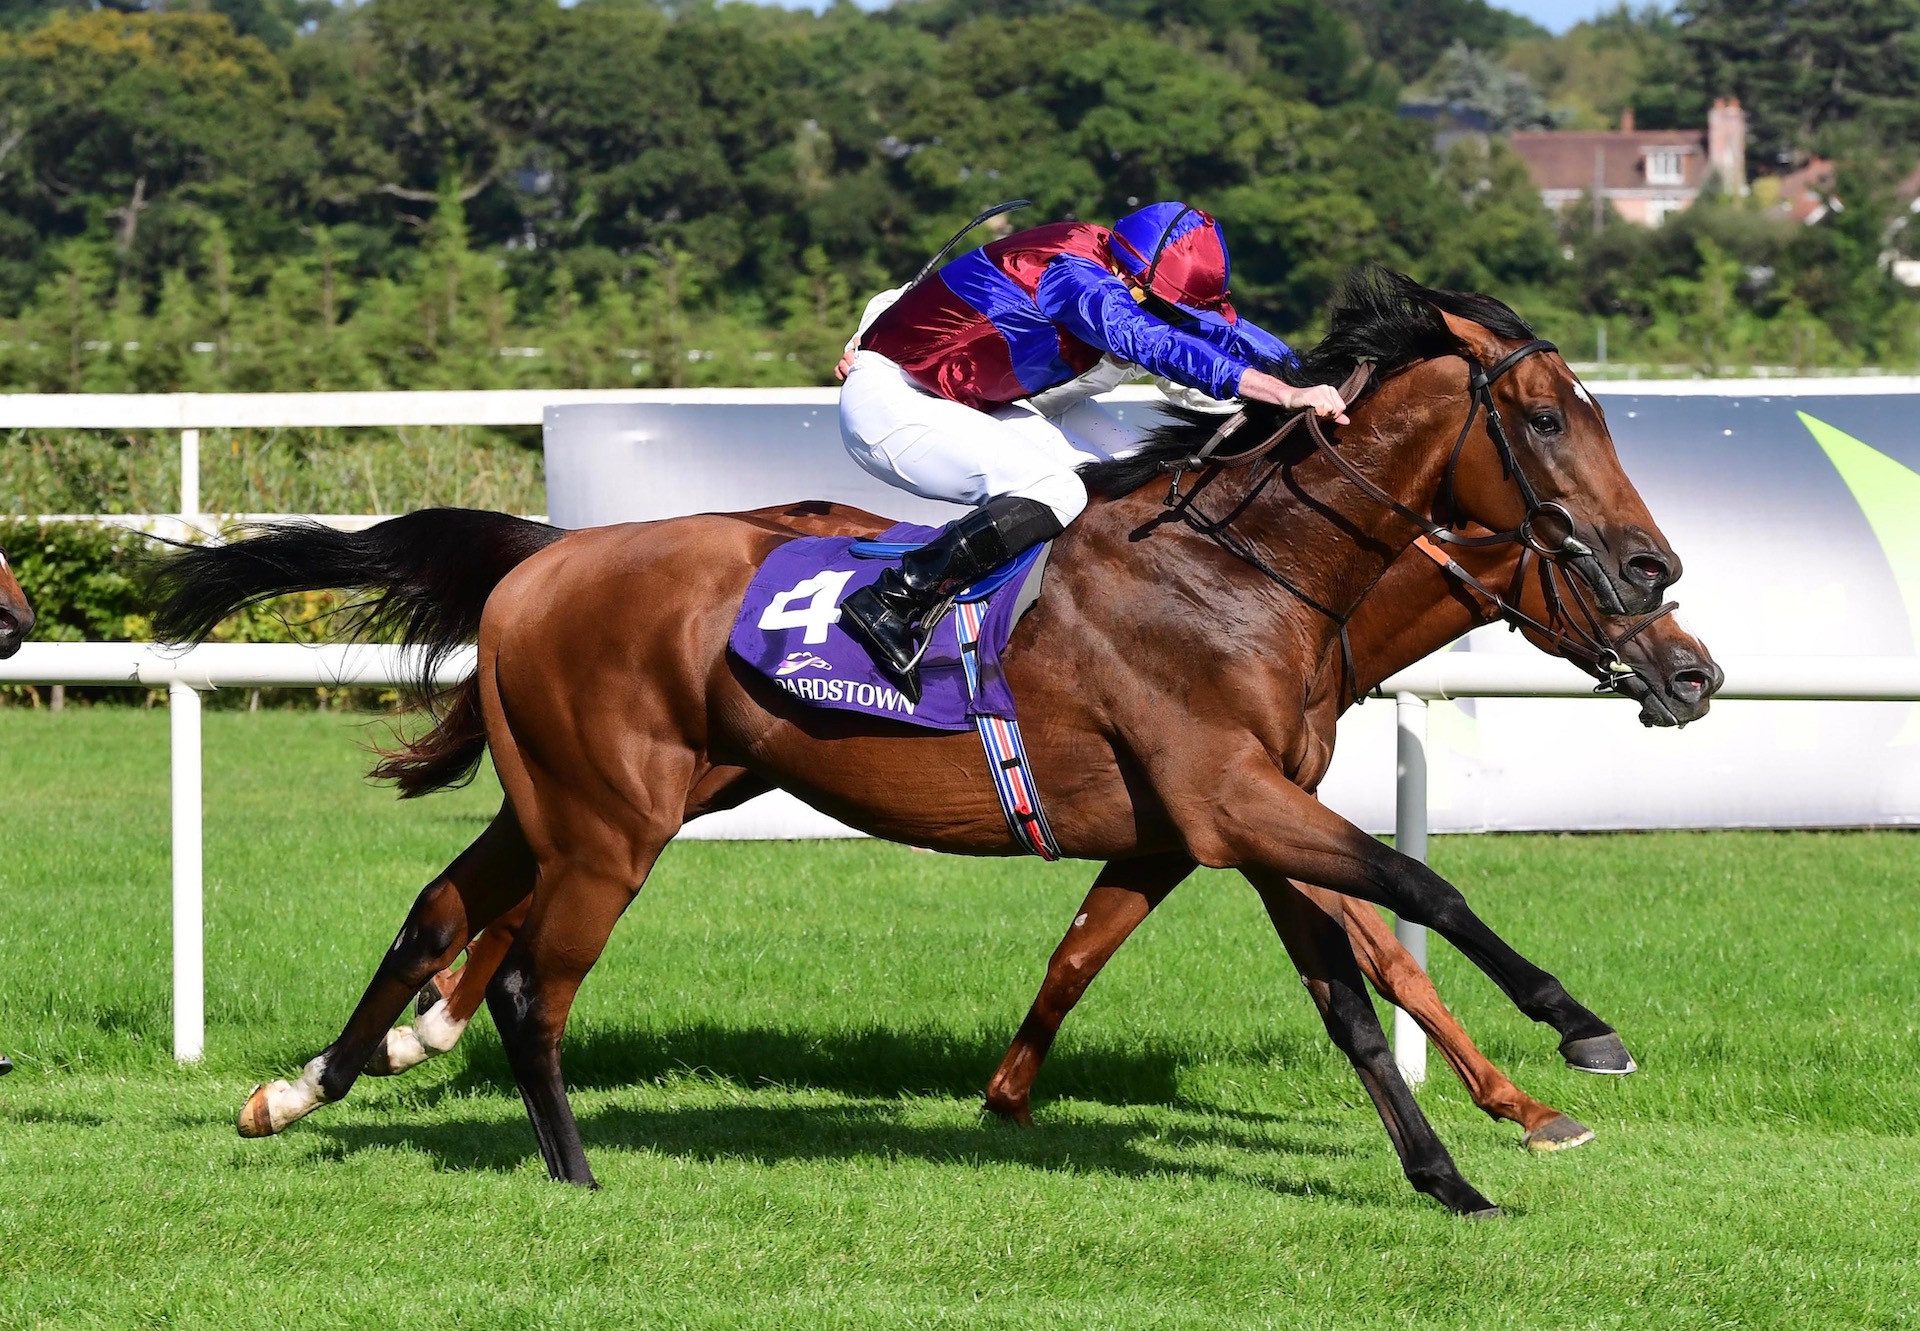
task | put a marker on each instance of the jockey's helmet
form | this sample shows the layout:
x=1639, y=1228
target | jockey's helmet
x=1174, y=253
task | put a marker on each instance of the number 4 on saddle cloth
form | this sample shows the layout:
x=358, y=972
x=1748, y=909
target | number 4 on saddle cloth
x=788, y=630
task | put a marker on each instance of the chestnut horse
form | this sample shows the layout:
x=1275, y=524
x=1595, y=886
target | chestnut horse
x=1180, y=680
x=16, y=622
x=16, y=616
x=1426, y=600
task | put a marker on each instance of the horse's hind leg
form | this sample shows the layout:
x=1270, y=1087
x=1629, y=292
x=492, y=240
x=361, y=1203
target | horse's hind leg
x=1325, y=959
x=1120, y=899
x=489, y=875
x=448, y=1000
x=574, y=911
x=1401, y=982
x=451, y=997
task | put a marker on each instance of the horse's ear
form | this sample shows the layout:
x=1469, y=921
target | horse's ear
x=1476, y=339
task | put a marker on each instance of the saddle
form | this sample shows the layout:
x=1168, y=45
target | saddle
x=787, y=631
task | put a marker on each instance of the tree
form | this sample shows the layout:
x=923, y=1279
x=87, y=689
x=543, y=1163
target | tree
x=1626, y=59
x=409, y=103
x=1409, y=35
x=1468, y=78
x=1803, y=67
x=139, y=127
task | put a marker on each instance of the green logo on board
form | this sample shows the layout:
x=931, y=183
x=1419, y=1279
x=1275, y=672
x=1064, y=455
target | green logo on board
x=1889, y=496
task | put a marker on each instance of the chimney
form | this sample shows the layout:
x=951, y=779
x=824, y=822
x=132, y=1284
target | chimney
x=1727, y=144
x=1626, y=121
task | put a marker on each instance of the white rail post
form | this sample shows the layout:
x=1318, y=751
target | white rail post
x=189, y=483
x=189, y=937
x=1410, y=838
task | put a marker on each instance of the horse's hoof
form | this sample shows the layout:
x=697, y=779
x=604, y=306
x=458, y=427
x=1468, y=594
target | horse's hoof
x=255, y=1119
x=1604, y=1055
x=1560, y=1133
x=1020, y=1115
x=379, y=1065
x=1485, y=1213
x=6, y=1065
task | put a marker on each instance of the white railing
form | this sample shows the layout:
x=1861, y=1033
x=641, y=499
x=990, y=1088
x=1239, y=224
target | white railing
x=265, y=665
x=190, y=413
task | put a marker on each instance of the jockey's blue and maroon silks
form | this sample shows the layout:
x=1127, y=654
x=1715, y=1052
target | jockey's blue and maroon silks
x=1033, y=310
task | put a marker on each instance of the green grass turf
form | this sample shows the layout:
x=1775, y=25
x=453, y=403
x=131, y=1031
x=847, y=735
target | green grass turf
x=778, y=1060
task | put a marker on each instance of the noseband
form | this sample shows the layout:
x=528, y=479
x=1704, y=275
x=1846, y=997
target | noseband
x=1585, y=641
x=1588, y=645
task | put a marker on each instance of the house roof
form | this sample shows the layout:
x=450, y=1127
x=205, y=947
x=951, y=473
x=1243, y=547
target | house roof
x=1806, y=193
x=1564, y=159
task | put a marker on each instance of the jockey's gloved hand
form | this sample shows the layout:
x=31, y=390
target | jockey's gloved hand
x=1320, y=399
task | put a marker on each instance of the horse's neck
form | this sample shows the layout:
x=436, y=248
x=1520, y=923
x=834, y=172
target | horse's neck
x=1327, y=539
x=1414, y=611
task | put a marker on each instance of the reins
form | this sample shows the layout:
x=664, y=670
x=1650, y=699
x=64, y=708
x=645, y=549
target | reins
x=1590, y=646
x=1590, y=643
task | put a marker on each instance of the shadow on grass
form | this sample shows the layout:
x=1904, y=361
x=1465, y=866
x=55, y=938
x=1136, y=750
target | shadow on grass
x=864, y=1061
x=882, y=1070
x=57, y=1118
x=770, y=1134
x=873, y=1062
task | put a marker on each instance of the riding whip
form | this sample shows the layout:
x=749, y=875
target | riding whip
x=1011, y=205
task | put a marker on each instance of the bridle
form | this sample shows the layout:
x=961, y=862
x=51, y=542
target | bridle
x=1583, y=640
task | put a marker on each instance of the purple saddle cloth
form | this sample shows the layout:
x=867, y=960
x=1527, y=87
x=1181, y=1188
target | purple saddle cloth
x=788, y=630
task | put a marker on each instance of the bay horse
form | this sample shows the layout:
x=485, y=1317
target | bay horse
x=1180, y=681
x=16, y=622
x=1425, y=601
x=16, y=615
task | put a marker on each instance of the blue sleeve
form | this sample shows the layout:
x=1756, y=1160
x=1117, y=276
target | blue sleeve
x=1097, y=308
x=1248, y=343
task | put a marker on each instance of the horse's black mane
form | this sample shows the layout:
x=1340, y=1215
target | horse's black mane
x=1378, y=315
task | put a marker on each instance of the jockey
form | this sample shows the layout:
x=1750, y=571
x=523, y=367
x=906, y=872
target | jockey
x=1042, y=318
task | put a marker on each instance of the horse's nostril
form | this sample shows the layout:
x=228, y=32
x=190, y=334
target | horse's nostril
x=1693, y=683
x=1649, y=569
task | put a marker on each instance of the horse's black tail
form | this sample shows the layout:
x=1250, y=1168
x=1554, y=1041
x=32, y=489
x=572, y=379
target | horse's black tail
x=428, y=576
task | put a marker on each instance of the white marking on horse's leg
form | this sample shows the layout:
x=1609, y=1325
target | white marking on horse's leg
x=438, y=1031
x=404, y=1050
x=289, y=1102
x=1079, y=919
x=434, y=1033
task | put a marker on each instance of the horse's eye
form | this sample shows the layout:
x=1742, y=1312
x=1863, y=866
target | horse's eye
x=1545, y=422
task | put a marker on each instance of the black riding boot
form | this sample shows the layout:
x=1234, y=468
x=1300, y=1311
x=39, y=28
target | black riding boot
x=888, y=618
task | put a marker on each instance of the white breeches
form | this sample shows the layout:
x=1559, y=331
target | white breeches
x=940, y=449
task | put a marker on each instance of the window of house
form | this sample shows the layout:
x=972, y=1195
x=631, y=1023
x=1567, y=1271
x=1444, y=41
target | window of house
x=1663, y=167
x=1659, y=210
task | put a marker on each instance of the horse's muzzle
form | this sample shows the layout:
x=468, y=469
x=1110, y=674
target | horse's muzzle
x=14, y=627
x=1676, y=689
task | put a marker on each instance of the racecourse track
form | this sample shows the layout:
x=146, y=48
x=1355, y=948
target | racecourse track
x=779, y=1061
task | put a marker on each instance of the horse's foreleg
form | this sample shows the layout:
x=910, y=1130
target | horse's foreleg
x=1122, y=897
x=1325, y=960
x=492, y=873
x=1255, y=819
x=1401, y=981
